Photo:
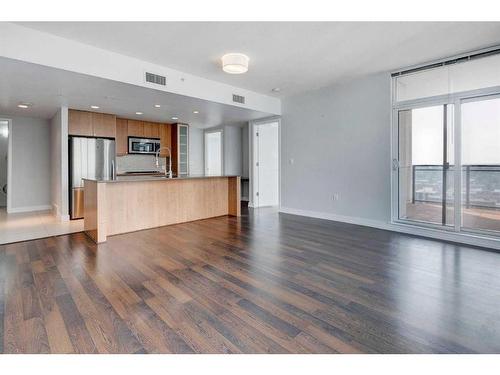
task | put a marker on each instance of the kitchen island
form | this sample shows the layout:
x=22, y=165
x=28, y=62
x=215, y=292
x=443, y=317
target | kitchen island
x=128, y=204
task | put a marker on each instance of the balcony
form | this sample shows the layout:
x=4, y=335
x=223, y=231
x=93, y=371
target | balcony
x=480, y=196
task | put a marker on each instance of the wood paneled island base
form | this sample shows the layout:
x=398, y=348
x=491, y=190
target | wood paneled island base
x=127, y=205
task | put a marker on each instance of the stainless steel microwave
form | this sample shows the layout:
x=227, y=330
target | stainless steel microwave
x=143, y=145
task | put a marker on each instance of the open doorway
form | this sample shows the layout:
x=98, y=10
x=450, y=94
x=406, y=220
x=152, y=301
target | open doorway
x=4, y=162
x=265, y=176
x=213, y=152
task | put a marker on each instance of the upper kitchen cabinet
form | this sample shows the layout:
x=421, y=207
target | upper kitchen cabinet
x=136, y=128
x=80, y=123
x=151, y=130
x=121, y=137
x=104, y=125
x=91, y=124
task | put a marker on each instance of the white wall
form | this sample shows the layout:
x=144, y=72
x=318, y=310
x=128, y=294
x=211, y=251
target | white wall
x=244, y=151
x=339, y=140
x=30, y=187
x=59, y=164
x=233, y=156
x=196, y=151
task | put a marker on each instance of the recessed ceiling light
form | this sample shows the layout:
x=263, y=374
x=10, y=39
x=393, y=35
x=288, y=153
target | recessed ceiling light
x=24, y=105
x=196, y=112
x=235, y=63
x=157, y=105
x=175, y=118
x=138, y=113
x=94, y=106
x=276, y=89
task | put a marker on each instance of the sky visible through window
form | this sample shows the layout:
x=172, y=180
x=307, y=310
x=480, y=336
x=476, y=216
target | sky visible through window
x=480, y=134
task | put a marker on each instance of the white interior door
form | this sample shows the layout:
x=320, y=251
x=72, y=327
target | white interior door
x=266, y=167
x=213, y=153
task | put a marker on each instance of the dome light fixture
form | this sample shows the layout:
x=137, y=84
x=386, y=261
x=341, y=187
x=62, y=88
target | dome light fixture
x=235, y=63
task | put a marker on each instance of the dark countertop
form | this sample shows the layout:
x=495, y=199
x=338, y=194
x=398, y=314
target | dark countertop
x=154, y=178
x=145, y=173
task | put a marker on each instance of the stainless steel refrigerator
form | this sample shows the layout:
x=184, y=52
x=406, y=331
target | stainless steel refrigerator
x=88, y=158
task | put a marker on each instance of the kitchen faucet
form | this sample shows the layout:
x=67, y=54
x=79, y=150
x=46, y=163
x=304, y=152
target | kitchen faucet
x=168, y=173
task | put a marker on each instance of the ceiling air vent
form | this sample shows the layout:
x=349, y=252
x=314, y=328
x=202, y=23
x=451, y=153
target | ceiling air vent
x=156, y=79
x=238, y=99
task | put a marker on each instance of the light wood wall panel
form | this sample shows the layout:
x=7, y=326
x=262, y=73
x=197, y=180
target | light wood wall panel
x=94, y=211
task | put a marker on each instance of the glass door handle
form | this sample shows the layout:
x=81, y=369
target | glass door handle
x=395, y=164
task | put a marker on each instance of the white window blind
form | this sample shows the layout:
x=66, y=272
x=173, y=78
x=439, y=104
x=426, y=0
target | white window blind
x=449, y=79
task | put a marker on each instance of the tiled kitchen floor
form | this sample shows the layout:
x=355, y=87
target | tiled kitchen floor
x=31, y=225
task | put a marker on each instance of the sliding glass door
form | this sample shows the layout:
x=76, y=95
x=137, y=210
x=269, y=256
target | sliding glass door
x=433, y=189
x=446, y=144
x=425, y=165
x=480, y=199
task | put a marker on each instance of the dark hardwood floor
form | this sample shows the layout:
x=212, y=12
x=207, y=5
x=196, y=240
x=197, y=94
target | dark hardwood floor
x=264, y=283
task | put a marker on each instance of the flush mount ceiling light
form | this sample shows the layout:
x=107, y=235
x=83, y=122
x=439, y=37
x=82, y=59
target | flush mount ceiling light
x=175, y=118
x=157, y=105
x=24, y=105
x=235, y=63
x=196, y=112
x=94, y=106
x=138, y=113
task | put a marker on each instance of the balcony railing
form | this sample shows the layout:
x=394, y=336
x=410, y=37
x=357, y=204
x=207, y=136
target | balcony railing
x=480, y=184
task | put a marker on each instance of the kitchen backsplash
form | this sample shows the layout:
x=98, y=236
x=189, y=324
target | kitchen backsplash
x=134, y=163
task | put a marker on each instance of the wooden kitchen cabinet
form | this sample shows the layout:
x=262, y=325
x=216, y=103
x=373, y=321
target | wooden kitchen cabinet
x=165, y=138
x=151, y=130
x=91, y=124
x=80, y=123
x=121, y=137
x=103, y=125
x=136, y=128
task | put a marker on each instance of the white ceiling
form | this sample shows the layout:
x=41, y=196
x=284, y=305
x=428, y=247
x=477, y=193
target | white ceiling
x=294, y=56
x=48, y=88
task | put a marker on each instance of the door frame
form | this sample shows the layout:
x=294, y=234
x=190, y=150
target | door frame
x=9, y=163
x=208, y=131
x=251, y=161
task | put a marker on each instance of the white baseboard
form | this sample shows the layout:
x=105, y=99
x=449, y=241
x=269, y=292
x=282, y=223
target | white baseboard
x=58, y=215
x=465, y=238
x=15, y=210
x=63, y=217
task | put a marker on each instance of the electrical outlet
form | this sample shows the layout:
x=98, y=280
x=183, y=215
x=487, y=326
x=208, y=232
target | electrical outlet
x=291, y=161
x=336, y=196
